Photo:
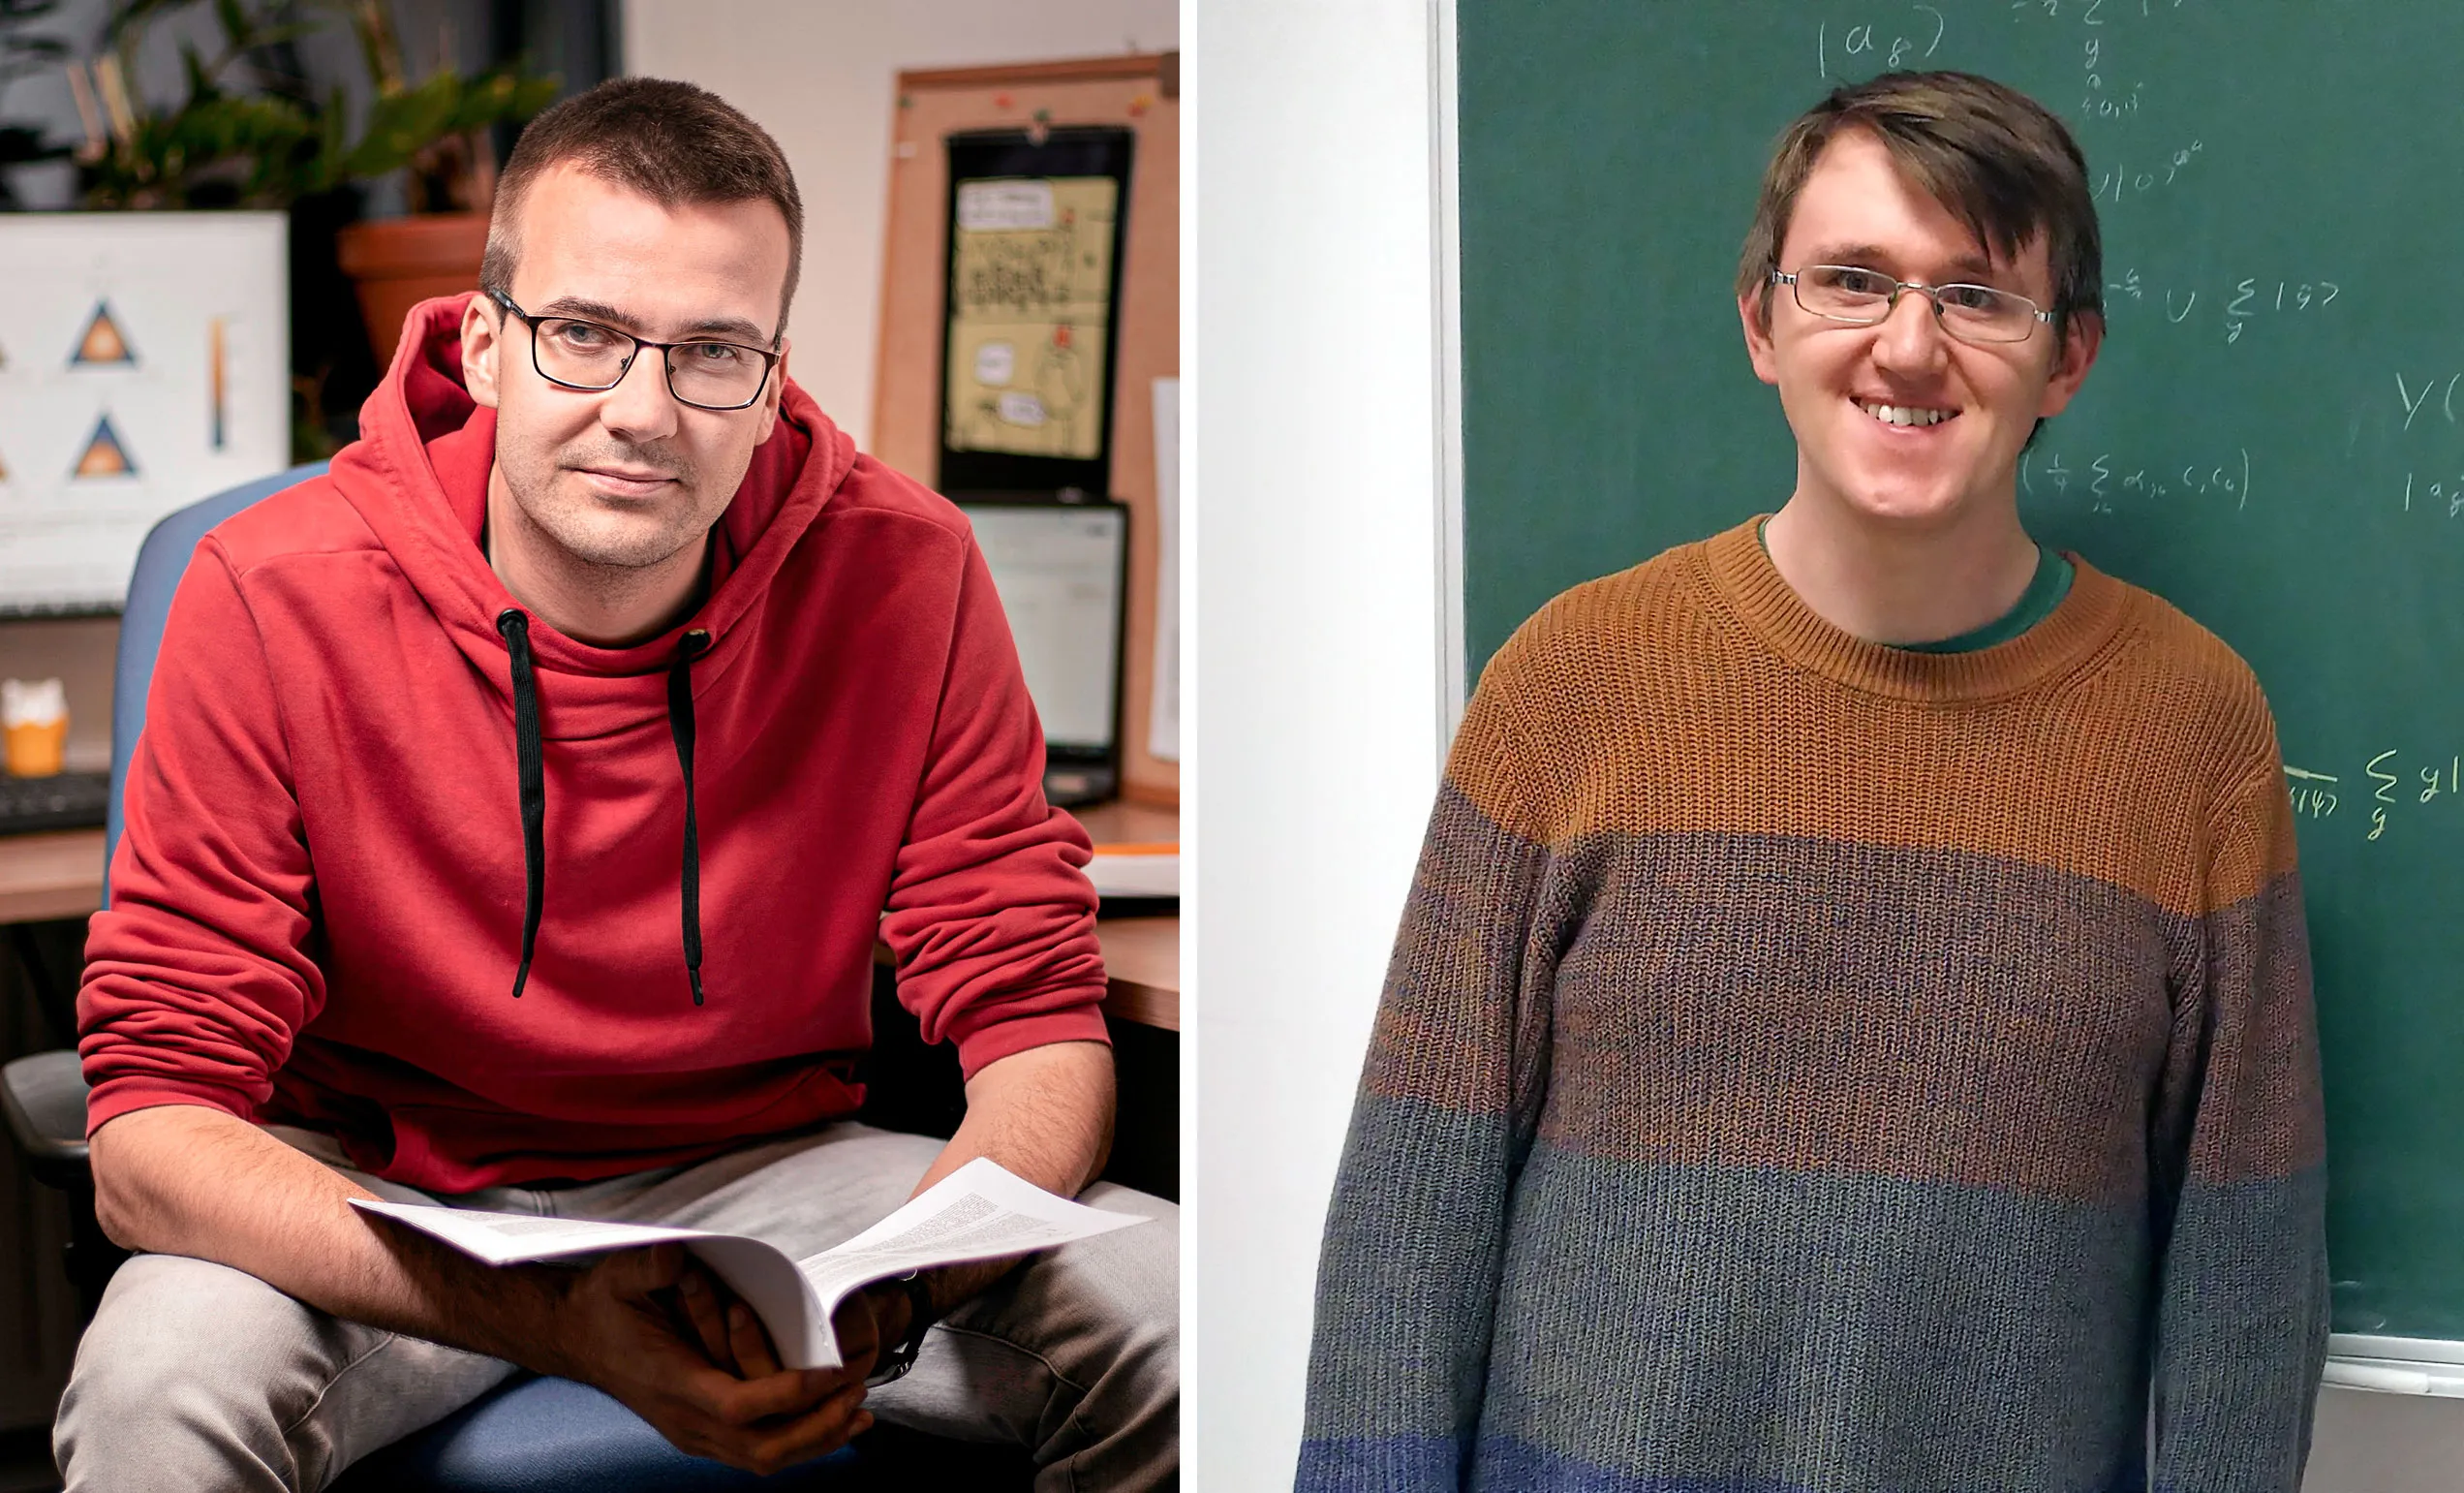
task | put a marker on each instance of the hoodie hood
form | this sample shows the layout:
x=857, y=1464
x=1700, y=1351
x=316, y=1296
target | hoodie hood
x=419, y=479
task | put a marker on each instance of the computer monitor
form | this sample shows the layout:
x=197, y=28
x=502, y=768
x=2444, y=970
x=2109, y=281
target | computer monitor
x=1062, y=570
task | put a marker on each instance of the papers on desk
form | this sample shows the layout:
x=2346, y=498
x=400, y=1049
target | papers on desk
x=980, y=1211
x=1136, y=871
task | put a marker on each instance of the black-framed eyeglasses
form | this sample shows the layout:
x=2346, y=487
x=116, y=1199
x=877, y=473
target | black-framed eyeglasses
x=704, y=373
x=1863, y=298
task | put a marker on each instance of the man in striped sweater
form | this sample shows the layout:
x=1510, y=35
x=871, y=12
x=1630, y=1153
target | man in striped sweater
x=1852, y=1025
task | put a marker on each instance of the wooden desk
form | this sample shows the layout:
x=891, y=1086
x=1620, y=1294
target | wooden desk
x=1122, y=822
x=1142, y=955
x=55, y=874
x=1142, y=960
x=59, y=874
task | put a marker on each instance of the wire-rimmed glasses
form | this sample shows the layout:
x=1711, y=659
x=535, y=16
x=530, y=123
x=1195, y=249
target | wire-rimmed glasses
x=1863, y=298
x=705, y=373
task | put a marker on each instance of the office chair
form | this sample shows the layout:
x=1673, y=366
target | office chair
x=531, y=1434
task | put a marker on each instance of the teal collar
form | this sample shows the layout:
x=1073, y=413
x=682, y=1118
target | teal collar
x=2045, y=591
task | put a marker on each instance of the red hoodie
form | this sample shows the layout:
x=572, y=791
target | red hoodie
x=319, y=901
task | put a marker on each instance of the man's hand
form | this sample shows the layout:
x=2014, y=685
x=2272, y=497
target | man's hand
x=732, y=1337
x=710, y=1383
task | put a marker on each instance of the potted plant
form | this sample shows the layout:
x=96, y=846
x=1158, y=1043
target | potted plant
x=277, y=145
x=437, y=129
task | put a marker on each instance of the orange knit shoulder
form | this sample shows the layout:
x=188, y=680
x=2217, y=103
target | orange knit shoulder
x=1582, y=690
x=2195, y=679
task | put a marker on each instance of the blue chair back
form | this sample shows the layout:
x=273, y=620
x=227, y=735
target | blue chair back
x=161, y=561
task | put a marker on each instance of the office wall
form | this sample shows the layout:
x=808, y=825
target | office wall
x=1314, y=426
x=817, y=74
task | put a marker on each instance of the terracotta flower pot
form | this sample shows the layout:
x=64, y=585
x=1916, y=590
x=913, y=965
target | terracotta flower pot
x=399, y=262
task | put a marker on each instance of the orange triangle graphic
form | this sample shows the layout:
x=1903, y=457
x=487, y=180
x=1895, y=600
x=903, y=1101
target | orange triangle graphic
x=4, y=471
x=103, y=342
x=105, y=455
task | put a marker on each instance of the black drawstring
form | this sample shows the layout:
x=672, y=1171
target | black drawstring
x=515, y=630
x=680, y=719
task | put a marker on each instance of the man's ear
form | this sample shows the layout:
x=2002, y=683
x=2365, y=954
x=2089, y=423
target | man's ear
x=481, y=342
x=2081, y=338
x=772, y=394
x=1753, y=312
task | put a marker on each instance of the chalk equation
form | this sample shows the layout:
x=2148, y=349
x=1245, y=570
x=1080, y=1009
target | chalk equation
x=2090, y=13
x=2104, y=97
x=1903, y=42
x=2098, y=105
x=2248, y=299
x=2141, y=177
x=2107, y=482
x=2314, y=793
x=2415, y=400
x=2434, y=494
x=2388, y=787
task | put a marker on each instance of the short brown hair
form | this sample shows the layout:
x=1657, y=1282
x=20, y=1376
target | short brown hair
x=671, y=142
x=1995, y=157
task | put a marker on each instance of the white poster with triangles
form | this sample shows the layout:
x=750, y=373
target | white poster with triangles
x=145, y=363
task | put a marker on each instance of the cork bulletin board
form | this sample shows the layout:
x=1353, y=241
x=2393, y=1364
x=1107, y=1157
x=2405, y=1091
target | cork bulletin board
x=1138, y=92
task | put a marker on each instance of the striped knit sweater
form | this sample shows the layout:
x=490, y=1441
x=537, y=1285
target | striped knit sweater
x=1808, y=1066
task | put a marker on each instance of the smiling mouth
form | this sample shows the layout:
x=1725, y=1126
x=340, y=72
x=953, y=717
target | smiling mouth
x=1905, y=415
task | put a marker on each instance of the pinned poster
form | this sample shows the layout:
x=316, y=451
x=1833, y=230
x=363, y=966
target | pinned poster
x=105, y=455
x=148, y=367
x=103, y=341
x=1032, y=296
x=1032, y=300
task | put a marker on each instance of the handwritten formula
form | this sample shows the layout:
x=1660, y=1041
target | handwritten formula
x=2236, y=301
x=2144, y=177
x=2392, y=795
x=1905, y=39
x=2106, y=481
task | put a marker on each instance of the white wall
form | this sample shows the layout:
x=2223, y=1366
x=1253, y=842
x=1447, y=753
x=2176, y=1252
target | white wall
x=1315, y=432
x=818, y=75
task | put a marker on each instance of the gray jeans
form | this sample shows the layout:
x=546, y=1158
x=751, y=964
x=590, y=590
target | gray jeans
x=197, y=1376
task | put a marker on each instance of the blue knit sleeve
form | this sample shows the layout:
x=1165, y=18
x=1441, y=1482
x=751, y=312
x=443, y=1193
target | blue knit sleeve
x=2241, y=1327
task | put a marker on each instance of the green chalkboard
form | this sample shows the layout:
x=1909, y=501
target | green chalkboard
x=2273, y=438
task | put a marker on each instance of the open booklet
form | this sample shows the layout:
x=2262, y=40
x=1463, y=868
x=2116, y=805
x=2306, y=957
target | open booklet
x=977, y=1212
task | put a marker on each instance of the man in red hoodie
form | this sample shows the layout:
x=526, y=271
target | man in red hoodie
x=518, y=807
